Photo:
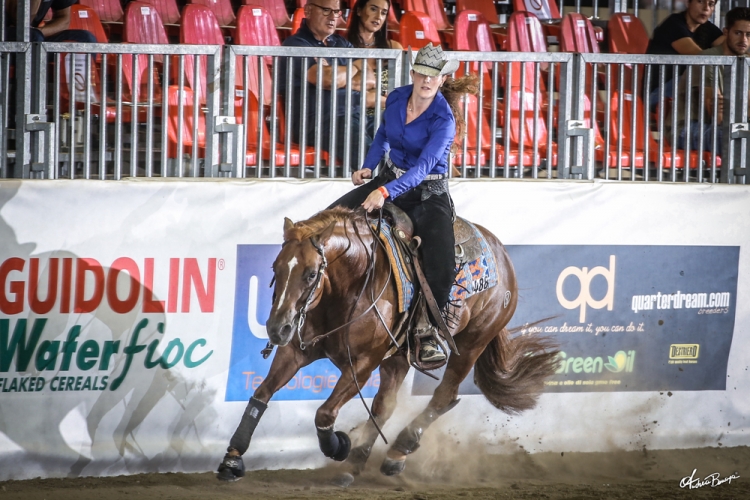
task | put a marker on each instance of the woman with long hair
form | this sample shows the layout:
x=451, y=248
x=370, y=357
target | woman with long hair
x=418, y=130
x=368, y=29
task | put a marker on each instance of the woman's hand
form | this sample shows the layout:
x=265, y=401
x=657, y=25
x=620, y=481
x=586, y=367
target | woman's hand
x=358, y=177
x=374, y=201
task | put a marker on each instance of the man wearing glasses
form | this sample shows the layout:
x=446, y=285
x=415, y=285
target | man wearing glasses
x=318, y=30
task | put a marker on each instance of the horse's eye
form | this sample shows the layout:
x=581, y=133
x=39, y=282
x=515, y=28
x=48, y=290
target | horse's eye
x=311, y=277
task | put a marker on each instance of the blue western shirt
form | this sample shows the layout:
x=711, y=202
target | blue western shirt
x=420, y=147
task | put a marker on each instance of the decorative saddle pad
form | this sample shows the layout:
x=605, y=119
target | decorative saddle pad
x=472, y=277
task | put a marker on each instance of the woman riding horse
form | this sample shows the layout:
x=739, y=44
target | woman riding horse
x=419, y=127
x=332, y=260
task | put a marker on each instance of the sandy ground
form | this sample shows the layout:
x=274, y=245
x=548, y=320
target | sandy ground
x=619, y=475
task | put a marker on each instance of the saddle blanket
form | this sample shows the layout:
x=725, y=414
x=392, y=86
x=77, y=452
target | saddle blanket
x=472, y=277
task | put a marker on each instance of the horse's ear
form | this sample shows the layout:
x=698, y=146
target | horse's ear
x=326, y=234
x=288, y=224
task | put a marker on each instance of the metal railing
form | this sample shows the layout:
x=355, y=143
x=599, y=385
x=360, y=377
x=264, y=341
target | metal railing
x=235, y=111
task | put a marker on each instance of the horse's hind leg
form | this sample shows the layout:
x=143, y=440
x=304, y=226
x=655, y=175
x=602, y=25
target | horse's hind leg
x=287, y=361
x=392, y=373
x=442, y=400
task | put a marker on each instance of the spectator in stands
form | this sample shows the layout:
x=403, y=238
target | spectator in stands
x=368, y=29
x=736, y=43
x=54, y=30
x=685, y=33
x=318, y=30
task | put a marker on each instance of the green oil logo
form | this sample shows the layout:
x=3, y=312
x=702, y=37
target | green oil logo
x=621, y=362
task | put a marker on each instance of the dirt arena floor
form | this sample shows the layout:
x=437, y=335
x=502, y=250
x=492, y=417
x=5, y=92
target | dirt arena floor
x=620, y=475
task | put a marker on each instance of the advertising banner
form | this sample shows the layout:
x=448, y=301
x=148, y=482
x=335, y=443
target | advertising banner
x=132, y=316
x=627, y=318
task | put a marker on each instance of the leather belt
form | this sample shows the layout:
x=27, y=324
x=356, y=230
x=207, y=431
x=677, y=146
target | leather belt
x=398, y=172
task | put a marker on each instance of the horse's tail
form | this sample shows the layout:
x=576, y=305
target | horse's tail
x=511, y=371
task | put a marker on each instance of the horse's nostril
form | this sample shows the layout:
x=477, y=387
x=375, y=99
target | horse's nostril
x=286, y=331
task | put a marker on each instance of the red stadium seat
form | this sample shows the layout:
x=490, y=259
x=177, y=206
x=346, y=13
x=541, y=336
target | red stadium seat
x=167, y=9
x=109, y=11
x=143, y=25
x=222, y=9
x=670, y=158
x=198, y=27
x=417, y=30
x=546, y=11
x=473, y=34
x=255, y=26
x=578, y=35
x=297, y=17
x=275, y=8
x=251, y=156
x=434, y=8
x=486, y=7
x=627, y=35
x=86, y=18
x=175, y=128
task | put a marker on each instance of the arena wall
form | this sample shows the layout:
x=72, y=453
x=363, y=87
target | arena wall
x=137, y=361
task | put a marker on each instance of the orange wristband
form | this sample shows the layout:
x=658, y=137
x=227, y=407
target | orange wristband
x=383, y=191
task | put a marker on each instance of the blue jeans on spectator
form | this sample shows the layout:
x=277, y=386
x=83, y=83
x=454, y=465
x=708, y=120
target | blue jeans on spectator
x=695, y=134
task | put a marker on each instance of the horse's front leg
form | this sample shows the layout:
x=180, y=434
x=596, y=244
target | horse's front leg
x=336, y=445
x=286, y=363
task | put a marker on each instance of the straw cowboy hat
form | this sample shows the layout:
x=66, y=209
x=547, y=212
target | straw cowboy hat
x=431, y=61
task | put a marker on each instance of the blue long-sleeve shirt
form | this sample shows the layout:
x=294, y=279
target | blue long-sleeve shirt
x=420, y=147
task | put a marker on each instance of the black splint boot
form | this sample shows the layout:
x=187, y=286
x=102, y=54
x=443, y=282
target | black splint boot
x=232, y=468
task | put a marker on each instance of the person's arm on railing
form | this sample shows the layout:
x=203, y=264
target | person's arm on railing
x=328, y=76
x=60, y=22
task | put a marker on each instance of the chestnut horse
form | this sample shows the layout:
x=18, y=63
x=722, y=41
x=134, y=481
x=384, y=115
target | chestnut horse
x=335, y=297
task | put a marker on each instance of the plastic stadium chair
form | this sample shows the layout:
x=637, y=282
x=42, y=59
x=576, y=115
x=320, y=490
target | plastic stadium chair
x=627, y=128
x=251, y=156
x=473, y=34
x=255, y=26
x=175, y=128
x=486, y=7
x=276, y=9
x=417, y=30
x=143, y=25
x=86, y=18
x=546, y=11
x=578, y=35
x=109, y=11
x=222, y=9
x=168, y=10
x=627, y=35
x=297, y=17
x=198, y=27
x=436, y=10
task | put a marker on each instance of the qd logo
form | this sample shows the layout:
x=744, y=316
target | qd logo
x=584, y=296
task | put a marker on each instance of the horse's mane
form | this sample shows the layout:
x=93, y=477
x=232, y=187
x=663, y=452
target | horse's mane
x=320, y=221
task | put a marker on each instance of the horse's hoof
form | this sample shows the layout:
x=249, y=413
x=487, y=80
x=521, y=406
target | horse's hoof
x=232, y=468
x=343, y=480
x=391, y=467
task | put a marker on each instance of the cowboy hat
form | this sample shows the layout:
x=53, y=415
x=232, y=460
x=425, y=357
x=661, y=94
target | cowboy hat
x=431, y=61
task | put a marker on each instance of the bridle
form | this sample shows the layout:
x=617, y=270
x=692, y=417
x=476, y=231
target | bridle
x=302, y=315
x=299, y=321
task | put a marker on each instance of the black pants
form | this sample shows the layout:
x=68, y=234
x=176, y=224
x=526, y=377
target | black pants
x=433, y=223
